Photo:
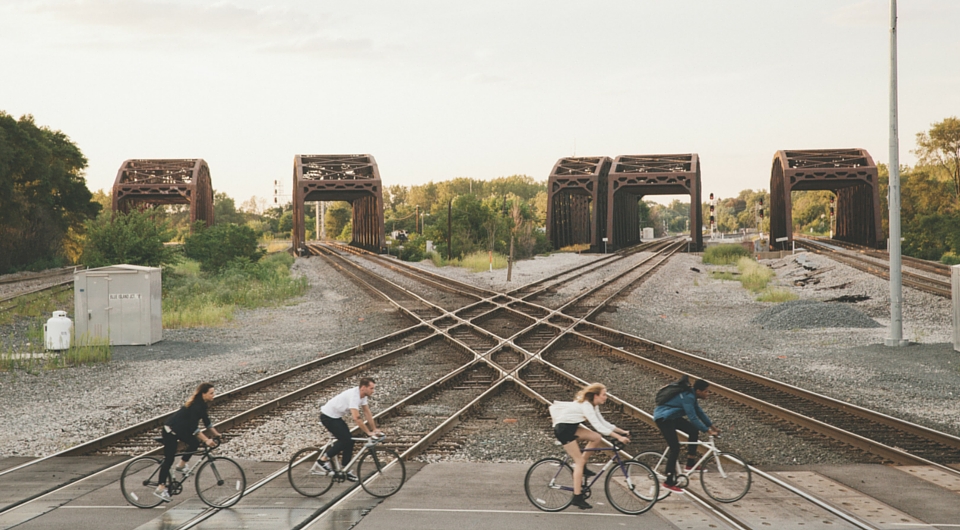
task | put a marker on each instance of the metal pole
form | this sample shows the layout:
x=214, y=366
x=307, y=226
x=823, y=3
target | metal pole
x=316, y=224
x=896, y=289
x=450, y=230
x=323, y=220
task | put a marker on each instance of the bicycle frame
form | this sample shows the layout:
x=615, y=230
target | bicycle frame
x=613, y=458
x=711, y=450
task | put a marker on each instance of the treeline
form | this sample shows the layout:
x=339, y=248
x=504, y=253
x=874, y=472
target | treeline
x=48, y=217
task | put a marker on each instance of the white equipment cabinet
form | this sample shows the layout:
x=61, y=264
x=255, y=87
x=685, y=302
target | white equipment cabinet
x=119, y=302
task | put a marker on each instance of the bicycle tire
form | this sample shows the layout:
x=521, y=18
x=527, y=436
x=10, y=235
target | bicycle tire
x=220, y=482
x=653, y=461
x=382, y=472
x=732, y=484
x=632, y=487
x=139, y=480
x=549, y=484
x=305, y=482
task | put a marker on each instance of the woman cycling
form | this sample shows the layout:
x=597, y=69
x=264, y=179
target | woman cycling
x=182, y=426
x=567, y=417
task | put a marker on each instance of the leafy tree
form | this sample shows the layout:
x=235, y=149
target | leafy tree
x=219, y=245
x=135, y=238
x=225, y=210
x=941, y=147
x=44, y=200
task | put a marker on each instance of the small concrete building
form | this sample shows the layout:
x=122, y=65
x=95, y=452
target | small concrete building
x=119, y=302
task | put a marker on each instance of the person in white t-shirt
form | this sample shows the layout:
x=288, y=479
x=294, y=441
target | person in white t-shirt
x=567, y=417
x=352, y=400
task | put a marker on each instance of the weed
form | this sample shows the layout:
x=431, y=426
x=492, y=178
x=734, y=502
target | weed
x=776, y=295
x=725, y=254
x=480, y=261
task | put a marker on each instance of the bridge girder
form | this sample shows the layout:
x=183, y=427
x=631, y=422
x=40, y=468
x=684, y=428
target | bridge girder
x=166, y=181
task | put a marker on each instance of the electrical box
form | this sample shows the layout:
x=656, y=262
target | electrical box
x=119, y=302
x=647, y=233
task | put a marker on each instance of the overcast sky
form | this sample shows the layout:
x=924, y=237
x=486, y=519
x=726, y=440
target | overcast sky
x=436, y=90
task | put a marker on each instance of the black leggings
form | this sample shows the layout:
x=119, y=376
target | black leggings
x=344, y=443
x=669, y=430
x=170, y=441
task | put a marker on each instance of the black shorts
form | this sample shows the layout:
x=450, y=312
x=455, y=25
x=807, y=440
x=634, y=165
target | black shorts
x=566, y=432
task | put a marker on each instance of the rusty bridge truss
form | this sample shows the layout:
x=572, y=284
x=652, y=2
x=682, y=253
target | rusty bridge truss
x=351, y=178
x=850, y=173
x=593, y=198
x=165, y=181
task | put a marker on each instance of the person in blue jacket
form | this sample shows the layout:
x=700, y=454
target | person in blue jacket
x=669, y=416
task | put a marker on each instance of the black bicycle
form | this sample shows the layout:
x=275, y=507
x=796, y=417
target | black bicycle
x=219, y=480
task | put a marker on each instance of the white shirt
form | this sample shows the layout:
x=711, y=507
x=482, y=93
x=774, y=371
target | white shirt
x=341, y=404
x=574, y=412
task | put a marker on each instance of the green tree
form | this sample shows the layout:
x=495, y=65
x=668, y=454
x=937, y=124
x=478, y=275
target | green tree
x=941, y=147
x=225, y=210
x=135, y=238
x=215, y=247
x=44, y=200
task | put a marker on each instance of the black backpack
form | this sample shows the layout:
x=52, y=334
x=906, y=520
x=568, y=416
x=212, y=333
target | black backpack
x=670, y=391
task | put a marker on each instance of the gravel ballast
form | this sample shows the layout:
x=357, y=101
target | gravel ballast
x=681, y=307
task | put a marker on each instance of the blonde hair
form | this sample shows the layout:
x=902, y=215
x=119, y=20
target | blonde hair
x=589, y=392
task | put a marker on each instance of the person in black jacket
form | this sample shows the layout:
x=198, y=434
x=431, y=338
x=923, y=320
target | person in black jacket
x=182, y=426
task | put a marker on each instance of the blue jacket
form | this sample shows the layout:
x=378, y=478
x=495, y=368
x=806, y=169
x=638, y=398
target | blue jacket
x=683, y=404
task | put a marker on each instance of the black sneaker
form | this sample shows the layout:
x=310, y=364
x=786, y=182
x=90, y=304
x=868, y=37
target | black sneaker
x=587, y=473
x=581, y=503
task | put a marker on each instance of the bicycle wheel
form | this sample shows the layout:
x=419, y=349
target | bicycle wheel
x=220, y=482
x=381, y=472
x=549, y=484
x=139, y=480
x=632, y=487
x=725, y=477
x=308, y=481
x=657, y=463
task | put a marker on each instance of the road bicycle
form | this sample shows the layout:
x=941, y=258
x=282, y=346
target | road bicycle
x=631, y=486
x=219, y=480
x=381, y=471
x=725, y=477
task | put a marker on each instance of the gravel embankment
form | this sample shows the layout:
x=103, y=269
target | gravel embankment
x=682, y=307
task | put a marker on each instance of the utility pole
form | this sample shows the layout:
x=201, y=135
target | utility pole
x=893, y=247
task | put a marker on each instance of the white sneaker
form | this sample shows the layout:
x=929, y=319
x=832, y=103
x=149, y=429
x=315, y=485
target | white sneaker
x=321, y=468
x=351, y=477
x=164, y=495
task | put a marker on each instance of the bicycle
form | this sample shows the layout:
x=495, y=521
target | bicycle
x=725, y=477
x=220, y=481
x=631, y=486
x=381, y=471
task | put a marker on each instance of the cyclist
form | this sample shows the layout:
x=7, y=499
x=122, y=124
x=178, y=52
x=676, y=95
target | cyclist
x=352, y=400
x=182, y=426
x=567, y=417
x=675, y=401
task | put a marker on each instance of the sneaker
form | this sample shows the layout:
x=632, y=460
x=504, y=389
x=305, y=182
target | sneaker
x=182, y=471
x=673, y=487
x=351, y=477
x=321, y=468
x=588, y=473
x=164, y=495
x=580, y=502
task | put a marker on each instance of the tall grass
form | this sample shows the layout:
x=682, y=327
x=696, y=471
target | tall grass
x=38, y=305
x=777, y=295
x=726, y=254
x=583, y=247
x=193, y=299
x=476, y=262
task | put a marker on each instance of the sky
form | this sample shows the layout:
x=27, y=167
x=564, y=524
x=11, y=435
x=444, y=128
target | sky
x=438, y=89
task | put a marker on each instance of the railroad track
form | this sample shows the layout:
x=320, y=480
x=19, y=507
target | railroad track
x=932, y=267
x=508, y=350
x=872, y=263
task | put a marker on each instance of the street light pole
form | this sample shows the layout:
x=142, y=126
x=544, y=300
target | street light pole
x=896, y=288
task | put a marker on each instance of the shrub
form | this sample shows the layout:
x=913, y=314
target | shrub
x=219, y=245
x=950, y=258
x=726, y=254
x=136, y=238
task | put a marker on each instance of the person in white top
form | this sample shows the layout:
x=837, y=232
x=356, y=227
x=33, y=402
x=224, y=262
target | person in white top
x=567, y=417
x=352, y=400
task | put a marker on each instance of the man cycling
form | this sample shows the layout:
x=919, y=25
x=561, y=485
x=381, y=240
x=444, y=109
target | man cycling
x=675, y=401
x=331, y=416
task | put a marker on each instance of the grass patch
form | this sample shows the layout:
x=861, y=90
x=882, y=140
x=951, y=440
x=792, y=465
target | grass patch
x=726, y=254
x=38, y=305
x=275, y=245
x=31, y=355
x=480, y=261
x=192, y=298
x=583, y=247
x=776, y=295
x=751, y=275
